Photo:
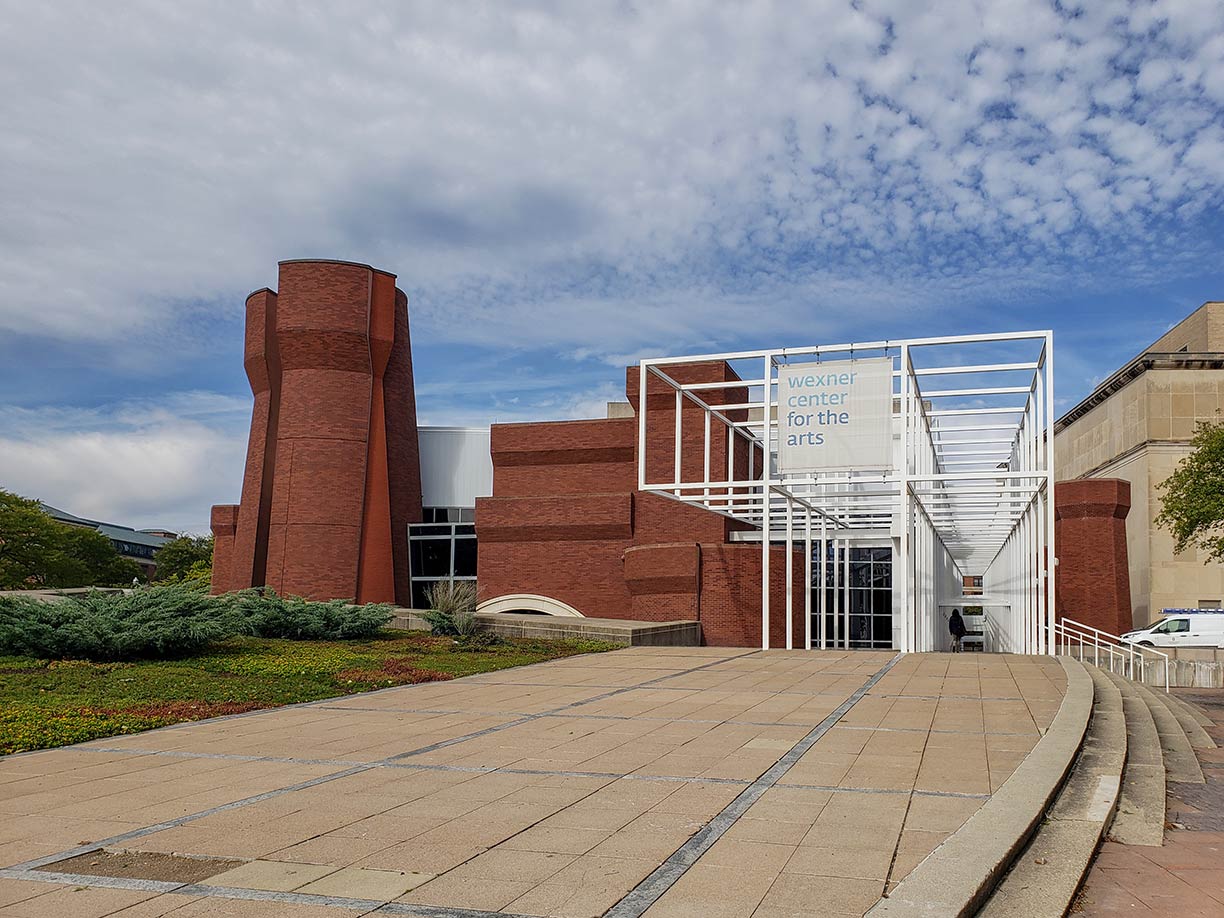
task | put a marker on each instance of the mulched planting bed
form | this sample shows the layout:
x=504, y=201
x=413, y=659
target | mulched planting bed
x=54, y=703
x=142, y=865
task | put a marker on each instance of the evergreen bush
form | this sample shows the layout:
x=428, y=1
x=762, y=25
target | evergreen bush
x=153, y=623
x=163, y=622
x=263, y=613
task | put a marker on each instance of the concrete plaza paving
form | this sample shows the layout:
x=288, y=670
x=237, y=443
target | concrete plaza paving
x=648, y=781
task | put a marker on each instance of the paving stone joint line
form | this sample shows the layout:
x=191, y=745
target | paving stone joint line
x=667, y=874
x=347, y=772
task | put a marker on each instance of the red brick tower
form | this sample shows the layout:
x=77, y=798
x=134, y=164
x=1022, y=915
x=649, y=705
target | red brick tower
x=332, y=474
x=1093, y=575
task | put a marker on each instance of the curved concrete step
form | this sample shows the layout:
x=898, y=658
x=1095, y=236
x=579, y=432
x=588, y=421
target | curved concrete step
x=1181, y=764
x=1198, y=714
x=1140, y=817
x=1193, y=729
x=1045, y=876
x=955, y=879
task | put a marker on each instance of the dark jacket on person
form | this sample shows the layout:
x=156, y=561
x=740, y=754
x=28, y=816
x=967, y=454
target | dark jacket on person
x=956, y=624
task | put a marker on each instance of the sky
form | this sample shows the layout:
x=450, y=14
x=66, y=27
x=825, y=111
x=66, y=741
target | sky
x=563, y=189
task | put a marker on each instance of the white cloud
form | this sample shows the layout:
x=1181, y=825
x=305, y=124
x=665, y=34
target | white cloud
x=140, y=463
x=597, y=185
x=521, y=161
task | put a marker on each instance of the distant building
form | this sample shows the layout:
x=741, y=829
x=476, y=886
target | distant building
x=1137, y=426
x=139, y=545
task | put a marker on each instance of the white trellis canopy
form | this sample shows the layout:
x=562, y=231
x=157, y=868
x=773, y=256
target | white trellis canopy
x=969, y=490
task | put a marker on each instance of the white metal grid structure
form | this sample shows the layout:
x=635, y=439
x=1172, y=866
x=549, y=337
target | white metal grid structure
x=970, y=491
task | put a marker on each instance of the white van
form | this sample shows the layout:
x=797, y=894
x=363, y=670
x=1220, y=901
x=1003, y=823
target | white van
x=1190, y=629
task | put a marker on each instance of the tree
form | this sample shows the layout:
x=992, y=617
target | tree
x=96, y=559
x=37, y=551
x=181, y=557
x=1193, y=496
x=30, y=543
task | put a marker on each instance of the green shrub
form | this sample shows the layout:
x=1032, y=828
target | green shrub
x=153, y=623
x=263, y=613
x=452, y=609
x=170, y=621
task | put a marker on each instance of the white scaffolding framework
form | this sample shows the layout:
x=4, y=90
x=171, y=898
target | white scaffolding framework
x=970, y=491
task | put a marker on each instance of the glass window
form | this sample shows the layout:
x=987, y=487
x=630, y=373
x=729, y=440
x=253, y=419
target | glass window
x=420, y=599
x=465, y=557
x=1179, y=624
x=869, y=596
x=440, y=549
x=860, y=602
x=430, y=557
x=421, y=529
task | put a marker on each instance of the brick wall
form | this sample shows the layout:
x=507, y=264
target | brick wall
x=224, y=523
x=1093, y=578
x=567, y=522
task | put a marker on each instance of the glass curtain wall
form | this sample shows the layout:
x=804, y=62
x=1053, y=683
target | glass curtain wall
x=442, y=548
x=870, y=622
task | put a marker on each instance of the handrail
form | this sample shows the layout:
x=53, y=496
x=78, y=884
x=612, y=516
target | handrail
x=1129, y=655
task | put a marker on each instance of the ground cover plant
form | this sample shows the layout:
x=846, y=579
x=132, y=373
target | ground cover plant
x=163, y=622
x=45, y=703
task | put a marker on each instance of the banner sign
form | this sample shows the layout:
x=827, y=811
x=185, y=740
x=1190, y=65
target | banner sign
x=835, y=415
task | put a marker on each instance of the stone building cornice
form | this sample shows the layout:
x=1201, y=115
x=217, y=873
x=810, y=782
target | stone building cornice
x=1151, y=360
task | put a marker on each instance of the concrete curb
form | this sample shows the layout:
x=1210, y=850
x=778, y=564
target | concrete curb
x=956, y=877
x=1045, y=877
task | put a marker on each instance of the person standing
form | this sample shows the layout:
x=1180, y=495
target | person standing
x=956, y=627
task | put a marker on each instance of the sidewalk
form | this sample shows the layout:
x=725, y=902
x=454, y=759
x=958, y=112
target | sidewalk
x=1185, y=877
x=663, y=782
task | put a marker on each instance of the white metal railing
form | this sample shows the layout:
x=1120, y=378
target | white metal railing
x=1084, y=642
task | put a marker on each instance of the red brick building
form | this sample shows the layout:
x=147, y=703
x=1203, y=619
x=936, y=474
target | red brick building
x=567, y=522
x=332, y=503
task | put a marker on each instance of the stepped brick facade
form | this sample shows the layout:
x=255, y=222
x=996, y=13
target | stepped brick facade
x=567, y=521
x=332, y=473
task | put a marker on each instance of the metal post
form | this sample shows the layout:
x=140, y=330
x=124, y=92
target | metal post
x=706, y=470
x=1052, y=557
x=846, y=595
x=642, y=426
x=679, y=472
x=790, y=574
x=730, y=464
x=908, y=642
x=807, y=584
x=823, y=596
x=766, y=520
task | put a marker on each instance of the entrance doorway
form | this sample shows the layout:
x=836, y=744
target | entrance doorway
x=858, y=597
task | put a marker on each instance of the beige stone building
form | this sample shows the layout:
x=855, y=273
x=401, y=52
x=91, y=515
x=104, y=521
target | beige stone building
x=1137, y=425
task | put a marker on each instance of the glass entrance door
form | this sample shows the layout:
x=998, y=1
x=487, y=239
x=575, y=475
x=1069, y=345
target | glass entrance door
x=858, y=596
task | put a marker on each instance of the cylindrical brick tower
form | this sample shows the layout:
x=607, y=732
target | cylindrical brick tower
x=332, y=475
